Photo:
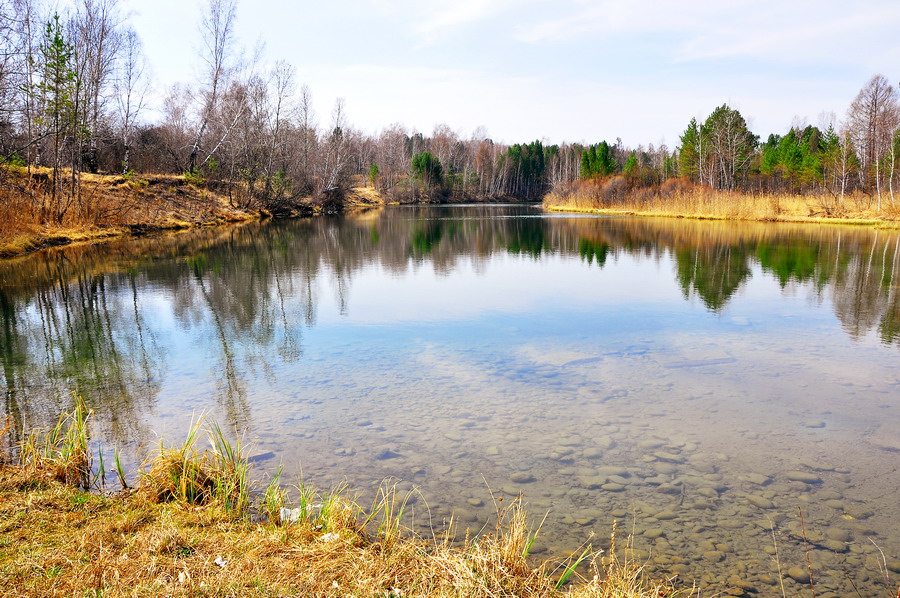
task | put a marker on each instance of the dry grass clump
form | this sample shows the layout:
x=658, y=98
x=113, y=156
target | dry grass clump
x=217, y=475
x=62, y=452
x=189, y=530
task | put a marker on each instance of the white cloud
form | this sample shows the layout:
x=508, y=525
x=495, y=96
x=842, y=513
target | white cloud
x=787, y=31
x=794, y=35
x=461, y=12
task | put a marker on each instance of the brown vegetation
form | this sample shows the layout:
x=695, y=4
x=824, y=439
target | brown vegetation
x=166, y=539
x=683, y=199
x=119, y=205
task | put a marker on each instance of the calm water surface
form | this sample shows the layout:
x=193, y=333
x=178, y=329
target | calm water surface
x=696, y=382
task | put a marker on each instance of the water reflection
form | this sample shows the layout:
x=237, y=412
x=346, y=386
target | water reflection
x=76, y=320
x=659, y=370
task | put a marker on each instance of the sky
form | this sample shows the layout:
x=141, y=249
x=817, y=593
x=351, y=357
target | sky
x=555, y=70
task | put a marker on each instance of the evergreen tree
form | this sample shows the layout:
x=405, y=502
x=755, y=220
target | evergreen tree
x=428, y=169
x=56, y=94
x=689, y=153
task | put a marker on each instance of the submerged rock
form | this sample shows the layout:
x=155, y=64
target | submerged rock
x=386, y=454
x=803, y=476
x=837, y=533
x=612, y=470
x=799, y=575
x=758, y=479
x=858, y=512
x=521, y=477
x=759, y=501
x=668, y=457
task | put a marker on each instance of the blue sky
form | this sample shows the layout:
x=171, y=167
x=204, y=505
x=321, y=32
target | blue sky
x=559, y=70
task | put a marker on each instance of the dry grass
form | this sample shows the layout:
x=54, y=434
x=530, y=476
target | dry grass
x=58, y=540
x=109, y=206
x=62, y=452
x=677, y=198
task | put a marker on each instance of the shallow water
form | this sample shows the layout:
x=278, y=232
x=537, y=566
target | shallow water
x=700, y=383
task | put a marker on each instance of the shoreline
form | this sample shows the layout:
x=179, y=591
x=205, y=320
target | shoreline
x=26, y=244
x=872, y=222
x=193, y=523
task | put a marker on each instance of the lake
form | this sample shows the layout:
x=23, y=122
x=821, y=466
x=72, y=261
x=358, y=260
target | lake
x=700, y=383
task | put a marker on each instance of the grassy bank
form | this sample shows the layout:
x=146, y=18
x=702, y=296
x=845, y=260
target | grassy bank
x=108, y=206
x=194, y=525
x=679, y=199
x=112, y=206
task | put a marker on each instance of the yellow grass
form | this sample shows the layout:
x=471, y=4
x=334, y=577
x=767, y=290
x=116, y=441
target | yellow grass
x=110, y=206
x=58, y=540
x=682, y=200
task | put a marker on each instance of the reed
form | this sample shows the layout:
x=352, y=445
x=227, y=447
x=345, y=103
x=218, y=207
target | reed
x=120, y=471
x=62, y=451
x=678, y=198
x=217, y=475
x=274, y=498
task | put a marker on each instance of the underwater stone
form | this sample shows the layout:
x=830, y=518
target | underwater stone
x=799, y=575
x=858, y=512
x=837, y=533
x=522, y=477
x=668, y=457
x=835, y=546
x=759, y=501
x=591, y=482
x=758, y=479
x=802, y=476
x=665, y=515
x=387, y=454
x=665, y=468
x=612, y=470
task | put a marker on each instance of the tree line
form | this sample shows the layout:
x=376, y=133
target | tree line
x=74, y=93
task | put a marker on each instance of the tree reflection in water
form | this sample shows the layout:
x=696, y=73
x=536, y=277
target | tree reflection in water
x=84, y=320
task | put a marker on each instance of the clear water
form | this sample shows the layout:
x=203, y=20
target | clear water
x=678, y=377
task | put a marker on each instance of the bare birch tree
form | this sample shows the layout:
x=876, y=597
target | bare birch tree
x=217, y=31
x=872, y=119
x=96, y=28
x=131, y=87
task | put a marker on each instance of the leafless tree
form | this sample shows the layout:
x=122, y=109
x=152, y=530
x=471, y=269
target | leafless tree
x=306, y=138
x=333, y=175
x=97, y=34
x=872, y=120
x=131, y=87
x=217, y=32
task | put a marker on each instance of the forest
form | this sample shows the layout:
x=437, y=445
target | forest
x=75, y=103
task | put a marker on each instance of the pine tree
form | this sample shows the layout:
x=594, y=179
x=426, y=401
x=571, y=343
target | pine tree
x=56, y=94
